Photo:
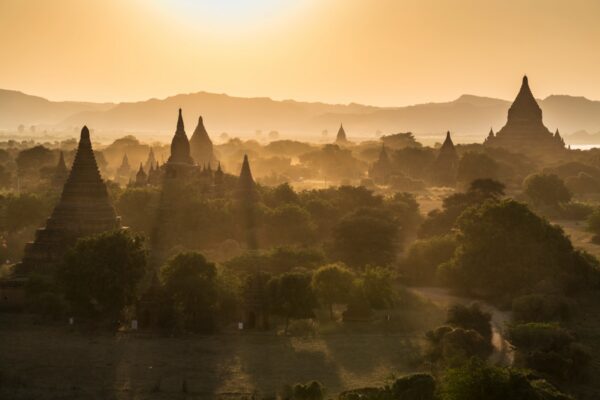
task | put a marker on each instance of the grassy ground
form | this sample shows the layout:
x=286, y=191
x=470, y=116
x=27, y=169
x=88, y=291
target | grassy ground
x=44, y=361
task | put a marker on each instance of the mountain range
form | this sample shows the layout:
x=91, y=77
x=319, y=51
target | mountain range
x=468, y=115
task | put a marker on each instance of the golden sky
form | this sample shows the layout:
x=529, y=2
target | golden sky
x=380, y=52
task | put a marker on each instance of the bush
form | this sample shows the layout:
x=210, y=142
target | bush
x=541, y=308
x=414, y=387
x=551, y=350
x=424, y=256
x=476, y=381
x=471, y=317
x=307, y=391
x=453, y=346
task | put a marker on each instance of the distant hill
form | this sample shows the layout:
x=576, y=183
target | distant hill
x=468, y=115
x=19, y=108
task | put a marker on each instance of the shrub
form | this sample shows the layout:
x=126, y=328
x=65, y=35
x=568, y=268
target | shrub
x=471, y=317
x=541, y=308
x=454, y=345
x=423, y=258
x=476, y=381
x=308, y=391
x=414, y=387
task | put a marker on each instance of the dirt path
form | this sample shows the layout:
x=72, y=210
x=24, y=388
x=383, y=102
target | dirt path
x=504, y=351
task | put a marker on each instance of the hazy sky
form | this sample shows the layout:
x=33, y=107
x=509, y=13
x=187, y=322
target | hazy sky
x=381, y=52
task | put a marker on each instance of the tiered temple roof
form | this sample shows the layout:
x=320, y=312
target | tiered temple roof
x=446, y=164
x=180, y=146
x=84, y=209
x=341, y=135
x=61, y=173
x=524, y=130
x=201, y=146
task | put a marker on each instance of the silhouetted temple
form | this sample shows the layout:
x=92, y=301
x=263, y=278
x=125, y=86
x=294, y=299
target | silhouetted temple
x=201, y=146
x=381, y=169
x=141, y=179
x=150, y=161
x=61, y=173
x=445, y=166
x=124, y=170
x=180, y=146
x=84, y=209
x=341, y=136
x=524, y=130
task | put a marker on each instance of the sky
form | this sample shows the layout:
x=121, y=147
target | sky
x=378, y=52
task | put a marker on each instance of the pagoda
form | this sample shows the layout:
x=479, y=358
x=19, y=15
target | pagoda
x=445, y=166
x=61, y=172
x=180, y=161
x=124, y=170
x=524, y=130
x=341, y=136
x=84, y=209
x=150, y=161
x=381, y=169
x=201, y=146
x=141, y=179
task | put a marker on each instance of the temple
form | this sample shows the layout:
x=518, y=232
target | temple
x=381, y=169
x=201, y=146
x=124, y=170
x=445, y=166
x=83, y=209
x=141, y=179
x=150, y=161
x=180, y=146
x=524, y=130
x=341, y=136
x=61, y=173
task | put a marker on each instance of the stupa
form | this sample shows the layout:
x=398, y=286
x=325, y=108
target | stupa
x=341, y=136
x=381, y=169
x=524, y=130
x=201, y=146
x=445, y=166
x=84, y=209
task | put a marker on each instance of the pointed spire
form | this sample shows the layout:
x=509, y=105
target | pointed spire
x=201, y=147
x=61, y=172
x=491, y=134
x=341, y=135
x=151, y=160
x=219, y=175
x=246, y=181
x=448, y=144
x=180, y=146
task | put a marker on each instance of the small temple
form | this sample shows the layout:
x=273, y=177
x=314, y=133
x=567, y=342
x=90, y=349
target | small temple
x=141, y=178
x=341, y=136
x=201, y=146
x=61, y=172
x=381, y=169
x=525, y=130
x=180, y=146
x=124, y=170
x=150, y=161
x=445, y=167
x=83, y=209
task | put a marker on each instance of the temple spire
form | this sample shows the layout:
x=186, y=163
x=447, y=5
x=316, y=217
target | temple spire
x=180, y=146
x=341, y=135
x=201, y=147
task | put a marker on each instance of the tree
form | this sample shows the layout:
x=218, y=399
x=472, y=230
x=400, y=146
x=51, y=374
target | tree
x=471, y=317
x=366, y=236
x=546, y=190
x=291, y=296
x=504, y=249
x=377, y=285
x=289, y=224
x=137, y=206
x=35, y=158
x=190, y=281
x=475, y=380
x=332, y=284
x=473, y=165
x=101, y=274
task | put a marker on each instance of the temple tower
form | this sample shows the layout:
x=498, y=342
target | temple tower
x=382, y=168
x=124, y=170
x=61, y=173
x=341, y=136
x=141, y=179
x=180, y=146
x=524, y=130
x=201, y=146
x=150, y=161
x=84, y=209
x=445, y=166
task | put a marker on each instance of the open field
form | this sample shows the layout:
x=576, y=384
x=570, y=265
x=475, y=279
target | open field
x=48, y=362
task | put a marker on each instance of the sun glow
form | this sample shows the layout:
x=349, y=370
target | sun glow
x=231, y=15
